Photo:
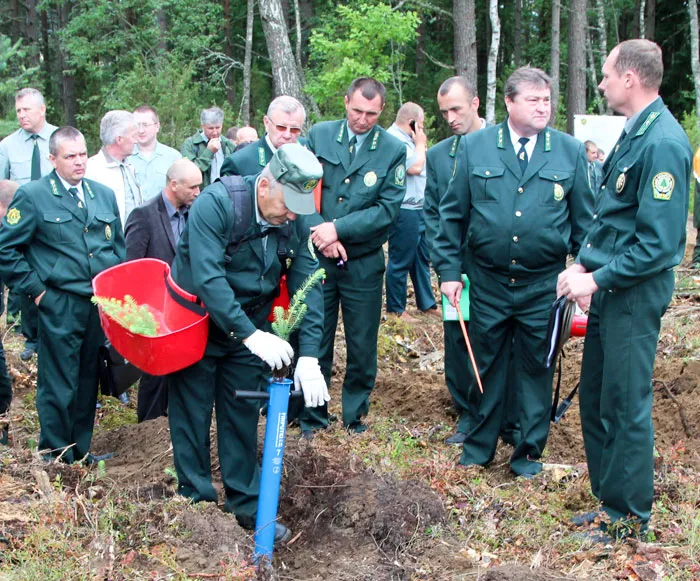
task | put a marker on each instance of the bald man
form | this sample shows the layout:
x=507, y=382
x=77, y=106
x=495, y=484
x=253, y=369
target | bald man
x=153, y=231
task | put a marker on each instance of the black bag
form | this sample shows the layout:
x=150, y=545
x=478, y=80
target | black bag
x=558, y=332
x=116, y=374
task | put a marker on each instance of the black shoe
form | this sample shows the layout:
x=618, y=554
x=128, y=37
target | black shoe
x=456, y=438
x=510, y=438
x=332, y=418
x=27, y=354
x=282, y=533
x=585, y=519
x=124, y=398
x=593, y=537
x=357, y=427
x=92, y=459
x=3, y=436
x=307, y=435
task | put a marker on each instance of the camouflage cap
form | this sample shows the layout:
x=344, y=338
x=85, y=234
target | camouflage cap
x=298, y=170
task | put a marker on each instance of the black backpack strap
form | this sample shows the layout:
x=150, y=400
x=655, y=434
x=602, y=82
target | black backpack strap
x=196, y=307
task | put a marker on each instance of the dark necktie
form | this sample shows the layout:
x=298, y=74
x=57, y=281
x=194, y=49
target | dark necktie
x=76, y=196
x=353, y=146
x=591, y=174
x=522, y=154
x=36, y=159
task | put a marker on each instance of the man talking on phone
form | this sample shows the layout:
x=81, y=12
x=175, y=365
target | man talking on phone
x=408, y=250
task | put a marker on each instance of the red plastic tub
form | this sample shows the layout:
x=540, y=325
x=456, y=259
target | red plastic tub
x=578, y=325
x=182, y=333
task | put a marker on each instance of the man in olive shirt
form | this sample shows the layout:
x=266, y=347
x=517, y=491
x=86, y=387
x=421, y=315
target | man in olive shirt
x=364, y=182
x=518, y=204
x=626, y=266
x=208, y=148
x=59, y=232
x=283, y=124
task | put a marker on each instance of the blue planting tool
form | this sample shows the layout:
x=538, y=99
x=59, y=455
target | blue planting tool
x=278, y=394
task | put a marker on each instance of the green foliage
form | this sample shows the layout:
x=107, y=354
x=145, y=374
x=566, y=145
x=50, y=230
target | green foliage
x=134, y=317
x=287, y=321
x=364, y=40
x=15, y=73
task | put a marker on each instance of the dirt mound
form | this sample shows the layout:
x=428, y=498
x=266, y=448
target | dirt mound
x=520, y=573
x=142, y=452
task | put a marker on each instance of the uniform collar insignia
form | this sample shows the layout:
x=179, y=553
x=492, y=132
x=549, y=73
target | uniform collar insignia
x=261, y=156
x=341, y=133
x=455, y=143
x=653, y=116
x=54, y=189
x=375, y=139
x=88, y=189
x=547, y=140
x=501, y=138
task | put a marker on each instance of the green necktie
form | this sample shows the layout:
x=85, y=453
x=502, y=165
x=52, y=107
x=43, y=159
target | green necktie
x=353, y=146
x=36, y=159
x=522, y=154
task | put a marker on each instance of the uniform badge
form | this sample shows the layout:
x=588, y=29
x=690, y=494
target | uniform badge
x=13, y=216
x=310, y=246
x=370, y=179
x=558, y=192
x=663, y=184
x=309, y=185
x=620, y=183
x=400, y=175
x=108, y=232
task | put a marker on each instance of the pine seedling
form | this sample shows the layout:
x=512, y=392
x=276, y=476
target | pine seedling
x=129, y=314
x=288, y=320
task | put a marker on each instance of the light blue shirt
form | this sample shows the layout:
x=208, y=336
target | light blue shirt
x=178, y=217
x=415, y=184
x=150, y=173
x=16, y=154
x=360, y=138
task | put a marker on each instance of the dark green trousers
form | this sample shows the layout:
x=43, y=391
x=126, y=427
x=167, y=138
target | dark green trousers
x=616, y=394
x=5, y=384
x=193, y=393
x=504, y=318
x=696, y=223
x=69, y=338
x=357, y=291
x=30, y=322
x=14, y=303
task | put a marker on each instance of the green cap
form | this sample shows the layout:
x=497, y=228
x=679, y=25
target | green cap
x=298, y=170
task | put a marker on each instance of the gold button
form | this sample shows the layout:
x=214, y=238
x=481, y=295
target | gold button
x=588, y=245
x=487, y=172
x=340, y=199
x=231, y=335
x=626, y=168
x=518, y=213
x=556, y=177
x=262, y=277
x=90, y=255
x=602, y=187
x=347, y=180
x=514, y=261
x=512, y=280
x=58, y=219
x=515, y=238
x=86, y=229
x=595, y=216
x=520, y=190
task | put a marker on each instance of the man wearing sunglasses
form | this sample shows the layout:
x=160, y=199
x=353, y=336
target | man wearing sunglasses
x=283, y=124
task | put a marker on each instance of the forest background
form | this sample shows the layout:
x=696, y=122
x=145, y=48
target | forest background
x=90, y=56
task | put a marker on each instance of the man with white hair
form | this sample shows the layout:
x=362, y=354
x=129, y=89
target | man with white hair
x=24, y=157
x=208, y=148
x=111, y=167
x=283, y=124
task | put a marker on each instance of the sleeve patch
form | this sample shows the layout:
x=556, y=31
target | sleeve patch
x=663, y=184
x=400, y=175
x=13, y=216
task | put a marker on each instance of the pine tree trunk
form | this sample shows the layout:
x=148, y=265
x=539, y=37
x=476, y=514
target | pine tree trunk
x=650, y=20
x=464, y=15
x=518, y=33
x=695, y=53
x=492, y=62
x=592, y=69
x=244, y=112
x=555, y=56
x=577, y=62
x=285, y=77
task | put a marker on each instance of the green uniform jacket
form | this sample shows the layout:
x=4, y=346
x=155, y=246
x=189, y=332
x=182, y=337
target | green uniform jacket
x=248, y=161
x=195, y=149
x=226, y=288
x=362, y=199
x=518, y=226
x=639, y=227
x=47, y=241
x=440, y=164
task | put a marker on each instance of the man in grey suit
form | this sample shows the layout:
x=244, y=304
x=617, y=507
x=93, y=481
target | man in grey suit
x=152, y=231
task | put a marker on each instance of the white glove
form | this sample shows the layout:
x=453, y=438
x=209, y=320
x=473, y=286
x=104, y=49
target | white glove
x=270, y=348
x=309, y=378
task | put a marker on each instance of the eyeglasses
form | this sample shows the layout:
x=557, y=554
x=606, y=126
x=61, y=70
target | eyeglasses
x=285, y=128
x=144, y=125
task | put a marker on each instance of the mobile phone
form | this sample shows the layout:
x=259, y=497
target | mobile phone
x=412, y=125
